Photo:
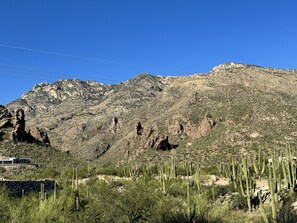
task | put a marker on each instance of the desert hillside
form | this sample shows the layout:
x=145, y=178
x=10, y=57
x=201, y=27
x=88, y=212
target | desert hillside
x=234, y=109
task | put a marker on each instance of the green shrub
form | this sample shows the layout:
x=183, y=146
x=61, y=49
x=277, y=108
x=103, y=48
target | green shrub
x=238, y=202
x=285, y=215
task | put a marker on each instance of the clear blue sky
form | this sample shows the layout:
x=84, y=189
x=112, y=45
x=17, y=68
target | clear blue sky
x=114, y=40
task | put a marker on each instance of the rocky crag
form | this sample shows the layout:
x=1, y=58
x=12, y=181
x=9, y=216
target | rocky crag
x=14, y=128
x=234, y=109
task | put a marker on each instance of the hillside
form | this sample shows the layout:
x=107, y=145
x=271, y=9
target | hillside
x=235, y=108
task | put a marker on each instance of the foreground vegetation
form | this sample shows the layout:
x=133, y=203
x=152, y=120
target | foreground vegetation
x=142, y=199
x=160, y=193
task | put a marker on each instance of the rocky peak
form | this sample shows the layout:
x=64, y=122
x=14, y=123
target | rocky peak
x=143, y=76
x=227, y=66
x=235, y=66
x=63, y=90
x=146, y=83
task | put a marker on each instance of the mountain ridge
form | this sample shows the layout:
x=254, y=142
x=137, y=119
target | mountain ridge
x=250, y=104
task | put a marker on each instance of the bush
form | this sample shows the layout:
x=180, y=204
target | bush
x=285, y=215
x=238, y=202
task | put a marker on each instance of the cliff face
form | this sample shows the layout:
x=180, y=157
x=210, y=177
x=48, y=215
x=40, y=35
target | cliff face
x=234, y=108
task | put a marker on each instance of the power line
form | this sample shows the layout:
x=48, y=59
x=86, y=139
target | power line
x=63, y=54
x=67, y=55
x=38, y=72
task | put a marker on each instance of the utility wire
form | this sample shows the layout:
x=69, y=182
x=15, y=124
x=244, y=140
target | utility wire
x=63, y=54
x=53, y=73
x=35, y=72
x=69, y=55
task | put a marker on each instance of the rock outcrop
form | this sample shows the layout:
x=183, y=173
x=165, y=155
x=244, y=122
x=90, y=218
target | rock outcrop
x=4, y=113
x=176, y=128
x=191, y=130
x=181, y=126
x=206, y=125
x=152, y=138
x=18, y=133
x=39, y=136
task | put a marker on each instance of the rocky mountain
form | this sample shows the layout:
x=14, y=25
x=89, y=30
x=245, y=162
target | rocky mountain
x=234, y=109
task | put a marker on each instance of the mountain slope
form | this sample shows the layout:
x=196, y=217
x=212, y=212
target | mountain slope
x=251, y=107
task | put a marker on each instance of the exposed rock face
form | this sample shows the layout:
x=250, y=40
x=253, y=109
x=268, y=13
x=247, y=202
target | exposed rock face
x=206, y=125
x=191, y=130
x=176, y=129
x=150, y=137
x=4, y=113
x=39, y=136
x=228, y=66
x=18, y=133
x=5, y=120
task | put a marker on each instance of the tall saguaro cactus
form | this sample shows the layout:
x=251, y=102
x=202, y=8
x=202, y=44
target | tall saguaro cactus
x=289, y=170
x=247, y=183
x=172, y=171
x=259, y=164
x=197, y=178
x=232, y=172
x=274, y=187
